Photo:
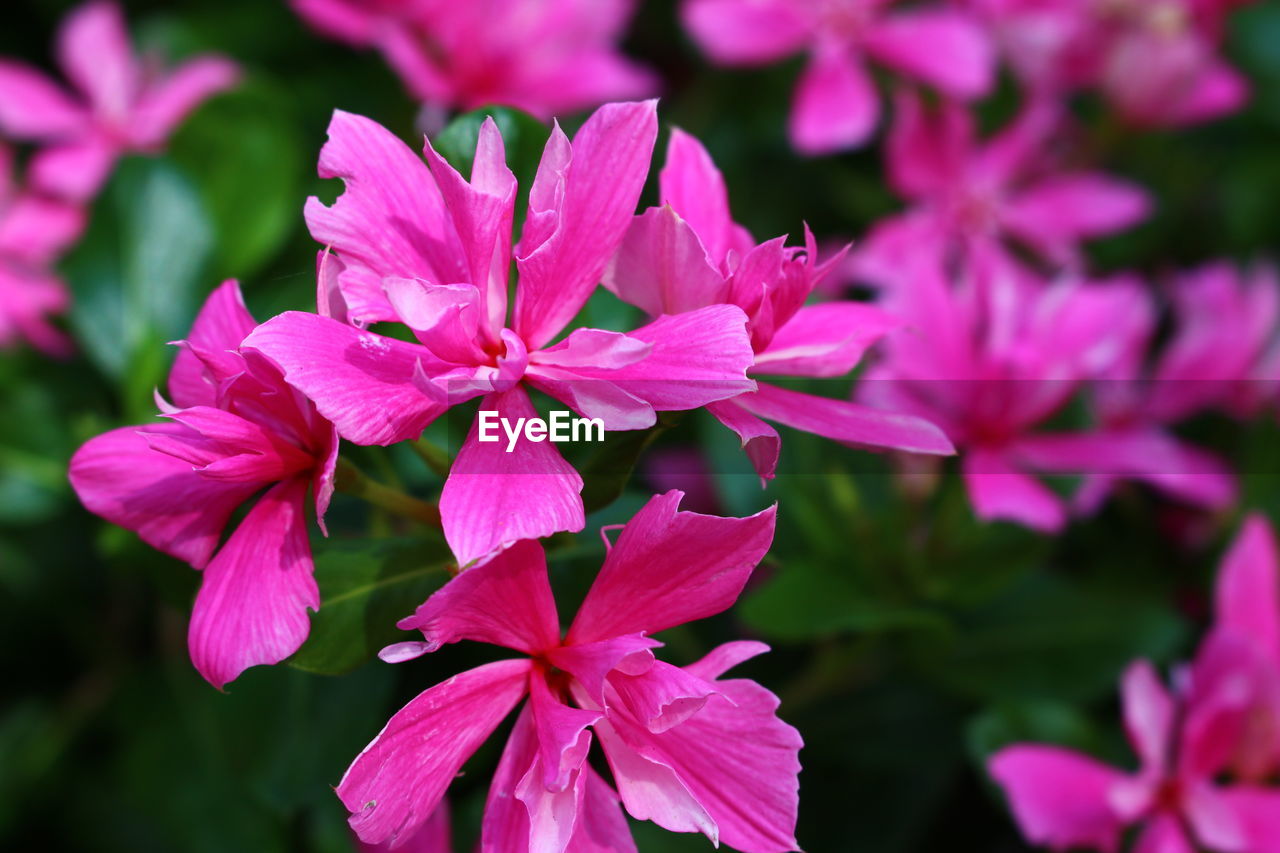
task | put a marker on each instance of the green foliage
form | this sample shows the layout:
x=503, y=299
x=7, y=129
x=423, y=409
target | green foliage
x=365, y=588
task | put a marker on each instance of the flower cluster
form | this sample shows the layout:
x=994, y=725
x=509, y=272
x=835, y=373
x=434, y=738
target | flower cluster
x=434, y=291
x=117, y=103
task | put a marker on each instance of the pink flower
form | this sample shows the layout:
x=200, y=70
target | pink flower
x=836, y=106
x=992, y=357
x=1248, y=611
x=1064, y=800
x=690, y=254
x=1156, y=61
x=118, y=105
x=1221, y=721
x=688, y=750
x=34, y=230
x=547, y=57
x=981, y=195
x=421, y=246
x=236, y=429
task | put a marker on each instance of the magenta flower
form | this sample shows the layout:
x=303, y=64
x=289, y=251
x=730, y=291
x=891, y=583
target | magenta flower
x=690, y=254
x=980, y=195
x=1064, y=800
x=994, y=356
x=34, y=230
x=1248, y=612
x=687, y=750
x=836, y=106
x=1222, y=722
x=119, y=103
x=547, y=57
x=236, y=429
x=423, y=247
x=1157, y=63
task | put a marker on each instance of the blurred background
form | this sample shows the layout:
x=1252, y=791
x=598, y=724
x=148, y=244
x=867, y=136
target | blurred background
x=910, y=640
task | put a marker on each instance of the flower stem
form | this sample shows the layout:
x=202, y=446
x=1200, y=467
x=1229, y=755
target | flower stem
x=352, y=481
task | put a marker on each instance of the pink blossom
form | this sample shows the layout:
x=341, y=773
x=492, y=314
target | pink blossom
x=689, y=254
x=1248, y=611
x=547, y=57
x=1064, y=800
x=1156, y=61
x=990, y=358
x=980, y=196
x=420, y=245
x=836, y=106
x=687, y=749
x=235, y=428
x=34, y=230
x=1206, y=748
x=118, y=103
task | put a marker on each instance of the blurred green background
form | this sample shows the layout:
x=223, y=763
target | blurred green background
x=909, y=640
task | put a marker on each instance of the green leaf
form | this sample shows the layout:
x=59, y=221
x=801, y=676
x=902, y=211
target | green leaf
x=137, y=273
x=1030, y=722
x=1051, y=639
x=246, y=157
x=806, y=600
x=523, y=136
x=365, y=587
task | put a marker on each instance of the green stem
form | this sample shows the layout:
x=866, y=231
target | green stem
x=436, y=458
x=352, y=481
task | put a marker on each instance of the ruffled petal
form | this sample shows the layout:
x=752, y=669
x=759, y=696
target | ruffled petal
x=221, y=326
x=662, y=268
x=670, y=567
x=580, y=227
x=825, y=340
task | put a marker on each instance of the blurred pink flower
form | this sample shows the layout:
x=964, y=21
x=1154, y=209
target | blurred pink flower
x=547, y=57
x=119, y=104
x=836, y=106
x=34, y=230
x=1248, y=611
x=1206, y=749
x=1064, y=800
x=990, y=357
x=688, y=750
x=421, y=246
x=979, y=196
x=1156, y=61
x=690, y=254
x=236, y=429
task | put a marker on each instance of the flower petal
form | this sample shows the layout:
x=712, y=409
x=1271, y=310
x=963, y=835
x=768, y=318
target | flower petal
x=506, y=602
x=596, y=197
x=836, y=105
x=368, y=385
x=163, y=106
x=34, y=107
x=221, y=326
x=824, y=340
x=76, y=169
x=119, y=477
x=1055, y=214
x=760, y=441
x=695, y=189
x=947, y=49
x=1058, y=797
x=746, y=32
x=1247, y=595
x=662, y=268
x=95, y=53
x=493, y=498
x=847, y=422
x=390, y=220
x=253, y=601
x=398, y=780
x=669, y=567
x=998, y=491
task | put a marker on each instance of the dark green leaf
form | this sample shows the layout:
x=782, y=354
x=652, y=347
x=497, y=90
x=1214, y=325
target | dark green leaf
x=365, y=587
